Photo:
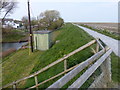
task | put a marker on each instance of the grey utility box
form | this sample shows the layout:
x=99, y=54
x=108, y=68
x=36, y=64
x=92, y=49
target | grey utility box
x=42, y=39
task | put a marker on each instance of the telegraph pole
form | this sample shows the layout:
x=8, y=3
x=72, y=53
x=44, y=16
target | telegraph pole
x=30, y=30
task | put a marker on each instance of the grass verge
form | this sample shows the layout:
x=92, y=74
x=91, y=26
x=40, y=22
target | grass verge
x=115, y=62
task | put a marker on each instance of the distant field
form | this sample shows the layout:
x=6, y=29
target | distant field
x=113, y=27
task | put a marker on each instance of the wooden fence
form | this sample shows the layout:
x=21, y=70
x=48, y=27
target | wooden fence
x=103, y=61
x=73, y=70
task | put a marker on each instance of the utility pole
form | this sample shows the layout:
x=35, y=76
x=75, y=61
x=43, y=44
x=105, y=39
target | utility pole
x=30, y=30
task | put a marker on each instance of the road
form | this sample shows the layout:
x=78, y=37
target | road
x=112, y=43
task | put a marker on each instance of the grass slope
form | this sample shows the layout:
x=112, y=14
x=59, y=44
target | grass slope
x=70, y=38
x=18, y=65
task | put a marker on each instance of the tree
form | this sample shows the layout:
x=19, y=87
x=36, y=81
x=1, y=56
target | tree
x=49, y=18
x=25, y=21
x=34, y=22
x=59, y=22
x=7, y=8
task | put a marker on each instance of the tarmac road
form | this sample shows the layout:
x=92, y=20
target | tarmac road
x=112, y=43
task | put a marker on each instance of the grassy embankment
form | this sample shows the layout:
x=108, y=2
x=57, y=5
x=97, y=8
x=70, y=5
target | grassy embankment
x=14, y=36
x=70, y=38
x=105, y=32
x=19, y=64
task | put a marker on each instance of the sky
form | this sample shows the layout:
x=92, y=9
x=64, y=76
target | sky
x=72, y=10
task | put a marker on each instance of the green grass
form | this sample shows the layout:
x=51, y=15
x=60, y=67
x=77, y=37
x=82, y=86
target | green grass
x=115, y=68
x=71, y=38
x=105, y=32
x=13, y=36
x=19, y=64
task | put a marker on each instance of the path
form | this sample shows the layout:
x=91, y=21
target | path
x=112, y=43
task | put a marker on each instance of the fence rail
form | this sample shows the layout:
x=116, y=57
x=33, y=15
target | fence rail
x=52, y=64
x=61, y=82
x=103, y=61
x=68, y=76
x=80, y=81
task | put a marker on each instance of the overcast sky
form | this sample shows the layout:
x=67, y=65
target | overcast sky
x=72, y=10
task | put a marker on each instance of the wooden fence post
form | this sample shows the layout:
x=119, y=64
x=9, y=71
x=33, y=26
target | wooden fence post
x=97, y=47
x=36, y=82
x=93, y=51
x=65, y=65
x=14, y=87
x=108, y=64
x=106, y=69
